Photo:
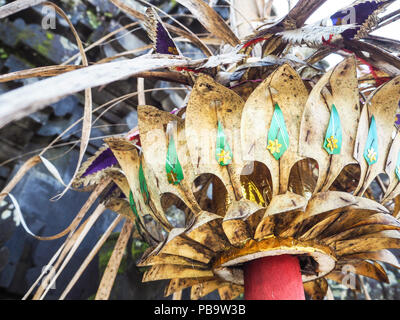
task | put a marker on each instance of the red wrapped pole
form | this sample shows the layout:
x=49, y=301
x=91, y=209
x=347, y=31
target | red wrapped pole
x=273, y=278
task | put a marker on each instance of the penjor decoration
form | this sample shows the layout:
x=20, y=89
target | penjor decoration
x=273, y=160
x=279, y=181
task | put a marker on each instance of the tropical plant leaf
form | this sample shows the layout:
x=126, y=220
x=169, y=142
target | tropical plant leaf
x=162, y=40
x=383, y=255
x=211, y=20
x=179, y=244
x=187, y=33
x=305, y=139
x=30, y=98
x=293, y=20
x=107, y=281
x=388, y=44
x=48, y=71
x=131, y=165
x=72, y=244
x=376, y=56
x=313, y=35
x=93, y=253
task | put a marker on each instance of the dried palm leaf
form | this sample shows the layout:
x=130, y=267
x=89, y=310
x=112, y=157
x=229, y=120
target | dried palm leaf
x=211, y=20
x=258, y=172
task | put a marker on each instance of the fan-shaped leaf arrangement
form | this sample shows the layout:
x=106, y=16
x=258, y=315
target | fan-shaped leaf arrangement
x=279, y=164
x=275, y=172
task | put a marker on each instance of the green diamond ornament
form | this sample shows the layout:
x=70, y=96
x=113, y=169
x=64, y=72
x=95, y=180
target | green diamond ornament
x=371, y=147
x=278, y=136
x=333, y=137
x=223, y=152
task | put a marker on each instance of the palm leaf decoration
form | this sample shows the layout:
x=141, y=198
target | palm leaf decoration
x=162, y=40
x=292, y=177
x=93, y=169
x=303, y=225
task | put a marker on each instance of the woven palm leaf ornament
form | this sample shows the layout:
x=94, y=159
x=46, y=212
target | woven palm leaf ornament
x=272, y=160
x=301, y=146
x=284, y=130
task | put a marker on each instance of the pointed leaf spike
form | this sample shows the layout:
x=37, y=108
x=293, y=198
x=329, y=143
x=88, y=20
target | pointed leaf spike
x=223, y=152
x=173, y=166
x=371, y=147
x=278, y=136
x=143, y=185
x=333, y=137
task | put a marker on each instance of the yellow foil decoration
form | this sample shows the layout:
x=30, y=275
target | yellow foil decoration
x=251, y=192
